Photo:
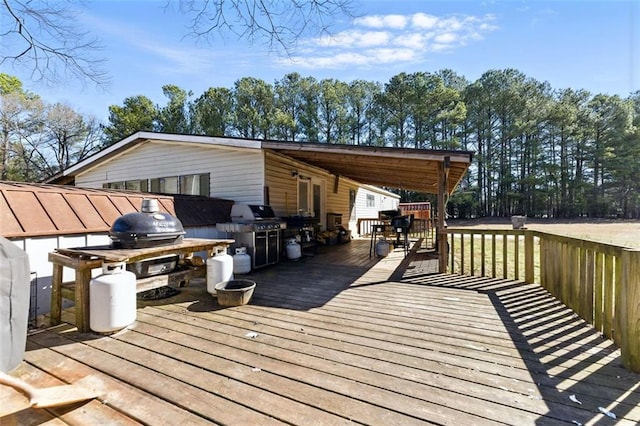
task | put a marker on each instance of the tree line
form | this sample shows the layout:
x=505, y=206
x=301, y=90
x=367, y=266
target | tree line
x=539, y=151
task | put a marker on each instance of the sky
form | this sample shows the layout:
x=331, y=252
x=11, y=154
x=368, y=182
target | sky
x=591, y=45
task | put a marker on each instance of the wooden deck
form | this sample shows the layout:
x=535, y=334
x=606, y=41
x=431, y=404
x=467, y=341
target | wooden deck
x=340, y=338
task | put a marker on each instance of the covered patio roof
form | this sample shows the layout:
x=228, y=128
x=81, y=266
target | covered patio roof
x=402, y=168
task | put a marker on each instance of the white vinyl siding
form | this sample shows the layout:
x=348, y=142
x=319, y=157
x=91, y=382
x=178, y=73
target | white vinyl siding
x=38, y=249
x=236, y=174
x=382, y=200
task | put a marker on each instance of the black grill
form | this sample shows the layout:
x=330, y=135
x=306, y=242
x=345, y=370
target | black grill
x=147, y=228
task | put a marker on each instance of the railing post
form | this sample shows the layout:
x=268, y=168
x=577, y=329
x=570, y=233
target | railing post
x=443, y=252
x=529, y=273
x=627, y=310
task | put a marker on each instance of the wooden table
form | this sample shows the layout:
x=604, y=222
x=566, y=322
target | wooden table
x=84, y=259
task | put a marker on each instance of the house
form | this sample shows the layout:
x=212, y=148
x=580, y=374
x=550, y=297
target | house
x=293, y=178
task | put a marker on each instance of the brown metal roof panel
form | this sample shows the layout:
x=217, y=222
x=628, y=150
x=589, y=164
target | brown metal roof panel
x=9, y=225
x=63, y=217
x=32, y=216
x=167, y=205
x=124, y=203
x=87, y=213
x=105, y=207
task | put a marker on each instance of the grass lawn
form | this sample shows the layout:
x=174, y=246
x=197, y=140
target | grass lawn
x=619, y=232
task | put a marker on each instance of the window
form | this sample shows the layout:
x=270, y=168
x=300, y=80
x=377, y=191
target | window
x=371, y=200
x=188, y=185
x=114, y=185
x=352, y=203
x=303, y=196
x=195, y=184
x=136, y=185
x=165, y=185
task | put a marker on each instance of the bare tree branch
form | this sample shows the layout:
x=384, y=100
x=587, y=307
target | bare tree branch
x=44, y=37
x=279, y=24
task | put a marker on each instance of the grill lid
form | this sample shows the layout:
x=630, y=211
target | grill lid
x=146, y=228
x=251, y=212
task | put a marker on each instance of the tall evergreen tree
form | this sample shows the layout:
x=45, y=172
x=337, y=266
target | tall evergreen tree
x=136, y=114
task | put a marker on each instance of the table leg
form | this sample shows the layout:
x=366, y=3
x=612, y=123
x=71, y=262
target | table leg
x=55, y=317
x=83, y=279
x=372, y=243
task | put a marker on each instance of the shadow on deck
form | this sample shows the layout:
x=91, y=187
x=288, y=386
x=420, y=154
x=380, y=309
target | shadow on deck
x=569, y=361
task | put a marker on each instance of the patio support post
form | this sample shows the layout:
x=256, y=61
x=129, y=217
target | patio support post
x=443, y=252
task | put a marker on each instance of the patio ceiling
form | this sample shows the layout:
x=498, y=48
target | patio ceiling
x=403, y=168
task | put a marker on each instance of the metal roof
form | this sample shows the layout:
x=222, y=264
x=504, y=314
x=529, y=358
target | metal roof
x=35, y=209
x=402, y=168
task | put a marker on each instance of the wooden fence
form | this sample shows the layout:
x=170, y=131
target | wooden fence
x=600, y=282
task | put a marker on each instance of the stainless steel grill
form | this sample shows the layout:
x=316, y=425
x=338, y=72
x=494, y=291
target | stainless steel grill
x=257, y=228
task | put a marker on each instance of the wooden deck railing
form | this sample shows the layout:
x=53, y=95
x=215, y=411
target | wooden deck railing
x=600, y=282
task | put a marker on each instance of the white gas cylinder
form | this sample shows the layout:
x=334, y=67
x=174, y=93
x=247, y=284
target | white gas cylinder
x=112, y=299
x=219, y=268
x=241, y=261
x=294, y=250
x=382, y=248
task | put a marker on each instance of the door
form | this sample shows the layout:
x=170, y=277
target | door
x=311, y=199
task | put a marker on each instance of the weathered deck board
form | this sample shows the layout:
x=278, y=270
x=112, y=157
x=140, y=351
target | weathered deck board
x=341, y=338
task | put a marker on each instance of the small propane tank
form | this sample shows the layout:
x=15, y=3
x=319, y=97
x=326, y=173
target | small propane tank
x=241, y=261
x=382, y=248
x=294, y=250
x=112, y=299
x=219, y=268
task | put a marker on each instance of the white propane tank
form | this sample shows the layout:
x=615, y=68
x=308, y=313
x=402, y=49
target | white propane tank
x=294, y=250
x=219, y=268
x=241, y=261
x=112, y=299
x=382, y=248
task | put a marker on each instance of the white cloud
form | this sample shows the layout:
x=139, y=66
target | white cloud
x=382, y=21
x=354, y=38
x=446, y=38
x=392, y=39
x=452, y=24
x=364, y=58
x=424, y=21
x=415, y=41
